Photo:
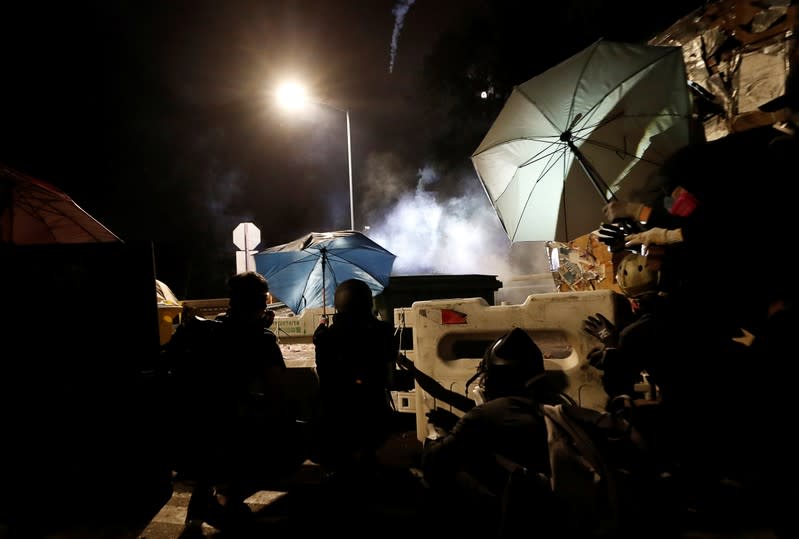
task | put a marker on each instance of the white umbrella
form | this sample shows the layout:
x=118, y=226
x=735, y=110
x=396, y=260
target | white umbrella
x=594, y=127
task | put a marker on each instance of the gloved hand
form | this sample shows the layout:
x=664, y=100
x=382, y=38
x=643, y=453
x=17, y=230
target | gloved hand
x=442, y=419
x=656, y=236
x=601, y=328
x=617, y=210
x=615, y=235
x=404, y=362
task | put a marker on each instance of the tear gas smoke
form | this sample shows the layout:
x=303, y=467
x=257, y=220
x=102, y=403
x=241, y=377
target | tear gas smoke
x=459, y=235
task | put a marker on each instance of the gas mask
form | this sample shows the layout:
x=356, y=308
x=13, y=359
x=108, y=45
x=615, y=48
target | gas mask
x=506, y=365
x=478, y=393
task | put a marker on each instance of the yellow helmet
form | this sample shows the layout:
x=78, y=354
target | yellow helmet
x=635, y=278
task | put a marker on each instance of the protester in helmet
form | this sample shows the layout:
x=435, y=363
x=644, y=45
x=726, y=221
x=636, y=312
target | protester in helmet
x=691, y=371
x=355, y=358
x=655, y=342
x=627, y=352
x=462, y=464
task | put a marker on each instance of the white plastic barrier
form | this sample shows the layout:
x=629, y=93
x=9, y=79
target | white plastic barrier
x=451, y=335
x=294, y=329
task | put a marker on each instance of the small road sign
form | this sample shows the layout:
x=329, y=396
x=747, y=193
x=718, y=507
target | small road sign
x=246, y=236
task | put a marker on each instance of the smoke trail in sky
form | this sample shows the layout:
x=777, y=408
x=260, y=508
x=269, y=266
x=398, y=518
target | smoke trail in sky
x=399, y=11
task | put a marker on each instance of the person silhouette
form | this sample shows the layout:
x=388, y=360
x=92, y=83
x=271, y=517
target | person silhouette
x=237, y=421
x=355, y=357
x=468, y=465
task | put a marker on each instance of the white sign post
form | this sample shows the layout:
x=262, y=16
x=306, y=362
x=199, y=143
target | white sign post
x=246, y=236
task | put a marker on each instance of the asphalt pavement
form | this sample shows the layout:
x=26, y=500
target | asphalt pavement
x=393, y=504
x=304, y=504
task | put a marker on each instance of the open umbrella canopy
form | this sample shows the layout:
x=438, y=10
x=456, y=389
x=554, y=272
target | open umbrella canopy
x=594, y=127
x=305, y=272
x=35, y=212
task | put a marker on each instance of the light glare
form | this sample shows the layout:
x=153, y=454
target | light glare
x=291, y=95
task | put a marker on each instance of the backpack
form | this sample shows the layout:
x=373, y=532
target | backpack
x=598, y=469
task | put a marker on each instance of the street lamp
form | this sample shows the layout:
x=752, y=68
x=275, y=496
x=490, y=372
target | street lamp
x=294, y=96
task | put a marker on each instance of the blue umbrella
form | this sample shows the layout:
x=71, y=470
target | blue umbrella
x=305, y=272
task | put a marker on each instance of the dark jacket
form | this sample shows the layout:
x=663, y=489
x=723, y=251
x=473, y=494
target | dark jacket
x=747, y=184
x=229, y=398
x=647, y=343
x=475, y=468
x=355, y=356
x=509, y=427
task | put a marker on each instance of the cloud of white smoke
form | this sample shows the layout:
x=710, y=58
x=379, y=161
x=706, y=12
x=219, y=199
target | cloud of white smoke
x=460, y=235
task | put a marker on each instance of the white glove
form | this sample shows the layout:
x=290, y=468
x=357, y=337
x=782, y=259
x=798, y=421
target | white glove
x=656, y=236
x=622, y=210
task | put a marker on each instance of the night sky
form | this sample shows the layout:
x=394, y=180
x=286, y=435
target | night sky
x=156, y=116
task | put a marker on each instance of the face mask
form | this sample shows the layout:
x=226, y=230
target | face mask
x=683, y=205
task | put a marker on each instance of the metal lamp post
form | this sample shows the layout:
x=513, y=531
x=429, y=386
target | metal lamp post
x=292, y=96
x=349, y=167
x=349, y=156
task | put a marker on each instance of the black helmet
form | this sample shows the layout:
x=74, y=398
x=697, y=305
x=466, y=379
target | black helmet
x=509, y=363
x=353, y=297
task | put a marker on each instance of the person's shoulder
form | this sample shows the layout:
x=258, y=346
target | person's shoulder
x=747, y=142
x=784, y=144
x=195, y=334
x=321, y=334
x=492, y=407
x=202, y=327
x=382, y=331
x=515, y=402
x=270, y=335
x=489, y=414
x=379, y=324
x=686, y=160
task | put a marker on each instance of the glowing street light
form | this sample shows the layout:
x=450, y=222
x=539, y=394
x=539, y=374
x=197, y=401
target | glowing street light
x=293, y=96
